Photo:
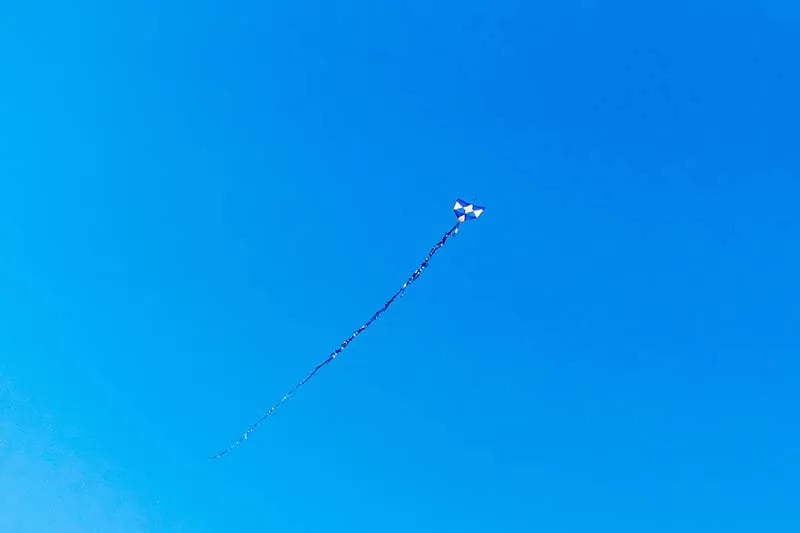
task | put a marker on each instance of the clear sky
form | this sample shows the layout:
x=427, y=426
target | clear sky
x=199, y=200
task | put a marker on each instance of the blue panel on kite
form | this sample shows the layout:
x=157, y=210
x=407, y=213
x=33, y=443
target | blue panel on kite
x=465, y=210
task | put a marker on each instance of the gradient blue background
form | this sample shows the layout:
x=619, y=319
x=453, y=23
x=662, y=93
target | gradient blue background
x=201, y=199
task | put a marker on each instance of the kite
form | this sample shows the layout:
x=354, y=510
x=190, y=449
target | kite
x=463, y=211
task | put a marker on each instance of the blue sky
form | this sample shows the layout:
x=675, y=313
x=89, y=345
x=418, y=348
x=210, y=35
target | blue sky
x=200, y=200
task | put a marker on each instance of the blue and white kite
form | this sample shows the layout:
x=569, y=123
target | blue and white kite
x=463, y=211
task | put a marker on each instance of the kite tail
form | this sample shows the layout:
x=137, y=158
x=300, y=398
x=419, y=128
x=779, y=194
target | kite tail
x=411, y=279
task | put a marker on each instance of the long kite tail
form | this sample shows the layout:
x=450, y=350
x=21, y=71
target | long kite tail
x=460, y=205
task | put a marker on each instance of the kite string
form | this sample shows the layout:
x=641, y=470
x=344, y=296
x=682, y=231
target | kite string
x=411, y=279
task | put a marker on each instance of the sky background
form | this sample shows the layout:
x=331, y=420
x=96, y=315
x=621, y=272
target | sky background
x=199, y=200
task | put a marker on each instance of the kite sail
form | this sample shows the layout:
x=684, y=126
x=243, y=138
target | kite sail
x=463, y=211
